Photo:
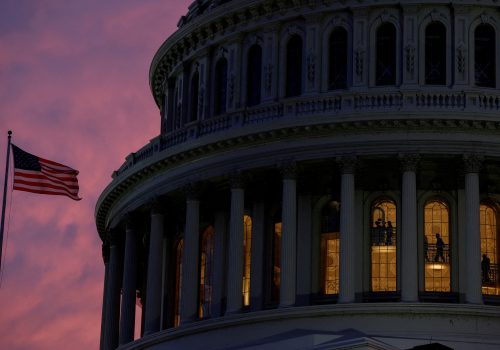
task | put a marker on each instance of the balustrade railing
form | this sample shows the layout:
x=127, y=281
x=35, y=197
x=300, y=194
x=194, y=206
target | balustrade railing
x=432, y=254
x=330, y=105
x=440, y=100
x=490, y=279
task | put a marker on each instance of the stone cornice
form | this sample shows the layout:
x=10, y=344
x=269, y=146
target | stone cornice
x=159, y=161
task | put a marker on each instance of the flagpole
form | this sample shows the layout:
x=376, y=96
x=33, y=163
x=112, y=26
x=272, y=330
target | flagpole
x=9, y=133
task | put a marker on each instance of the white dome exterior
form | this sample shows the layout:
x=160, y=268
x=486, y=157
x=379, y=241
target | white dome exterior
x=326, y=176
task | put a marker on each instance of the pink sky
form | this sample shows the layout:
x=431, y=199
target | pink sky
x=74, y=89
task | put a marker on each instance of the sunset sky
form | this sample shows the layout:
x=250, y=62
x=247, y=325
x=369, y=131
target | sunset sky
x=73, y=89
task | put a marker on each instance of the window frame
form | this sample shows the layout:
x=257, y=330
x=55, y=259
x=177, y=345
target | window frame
x=451, y=201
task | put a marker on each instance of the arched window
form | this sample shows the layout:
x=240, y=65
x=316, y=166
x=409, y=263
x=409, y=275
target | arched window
x=247, y=255
x=337, y=78
x=195, y=87
x=489, y=250
x=437, y=246
x=254, y=75
x=383, y=235
x=220, y=93
x=484, y=56
x=178, y=282
x=385, y=71
x=435, y=54
x=330, y=248
x=206, y=271
x=294, y=66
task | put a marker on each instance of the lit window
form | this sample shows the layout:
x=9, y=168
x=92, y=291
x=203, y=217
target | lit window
x=178, y=281
x=254, y=75
x=383, y=233
x=247, y=251
x=437, y=247
x=294, y=66
x=385, y=70
x=489, y=254
x=337, y=78
x=206, y=272
x=484, y=56
x=435, y=54
x=330, y=248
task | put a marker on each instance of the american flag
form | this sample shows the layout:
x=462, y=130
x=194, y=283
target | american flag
x=38, y=175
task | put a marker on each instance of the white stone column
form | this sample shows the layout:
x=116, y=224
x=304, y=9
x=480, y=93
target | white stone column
x=288, y=273
x=220, y=228
x=113, y=294
x=347, y=234
x=190, y=260
x=127, y=318
x=154, y=279
x=235, y=251
x=304, y=217
x=105, y=258
x=257, y=260
x=472, y=230
x=409, y=252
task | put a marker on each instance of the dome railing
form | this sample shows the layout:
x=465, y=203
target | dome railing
x=347, y=105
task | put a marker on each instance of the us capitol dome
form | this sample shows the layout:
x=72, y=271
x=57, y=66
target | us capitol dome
x=326, y=176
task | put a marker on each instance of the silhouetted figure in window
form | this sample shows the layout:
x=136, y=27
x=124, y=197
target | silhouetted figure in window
x=439, y=248
x=388, y=233
x=485, y=268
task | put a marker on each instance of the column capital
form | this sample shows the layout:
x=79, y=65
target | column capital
x=289, y=170
x=347, y=163
x=105, y=251
x=191, y=191
x=114, y=237
x=155, y=206
x=409, y=161
x=237, y=179
x=129, y=220
x=472, y=162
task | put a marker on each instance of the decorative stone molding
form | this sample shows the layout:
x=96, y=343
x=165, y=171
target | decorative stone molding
x=409, y=161
x=359, y=60
x=311, y=67
x=410, y=58
x=461, y=54
x=472, y=163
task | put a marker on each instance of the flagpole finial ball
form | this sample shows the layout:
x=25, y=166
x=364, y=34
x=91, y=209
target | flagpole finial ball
x=9, y=133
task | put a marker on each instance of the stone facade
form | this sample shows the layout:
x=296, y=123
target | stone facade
x=326, y=176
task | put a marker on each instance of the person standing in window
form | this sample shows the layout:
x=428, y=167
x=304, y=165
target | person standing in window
x=439, y=248
x=485, y=268
x=388, y=233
